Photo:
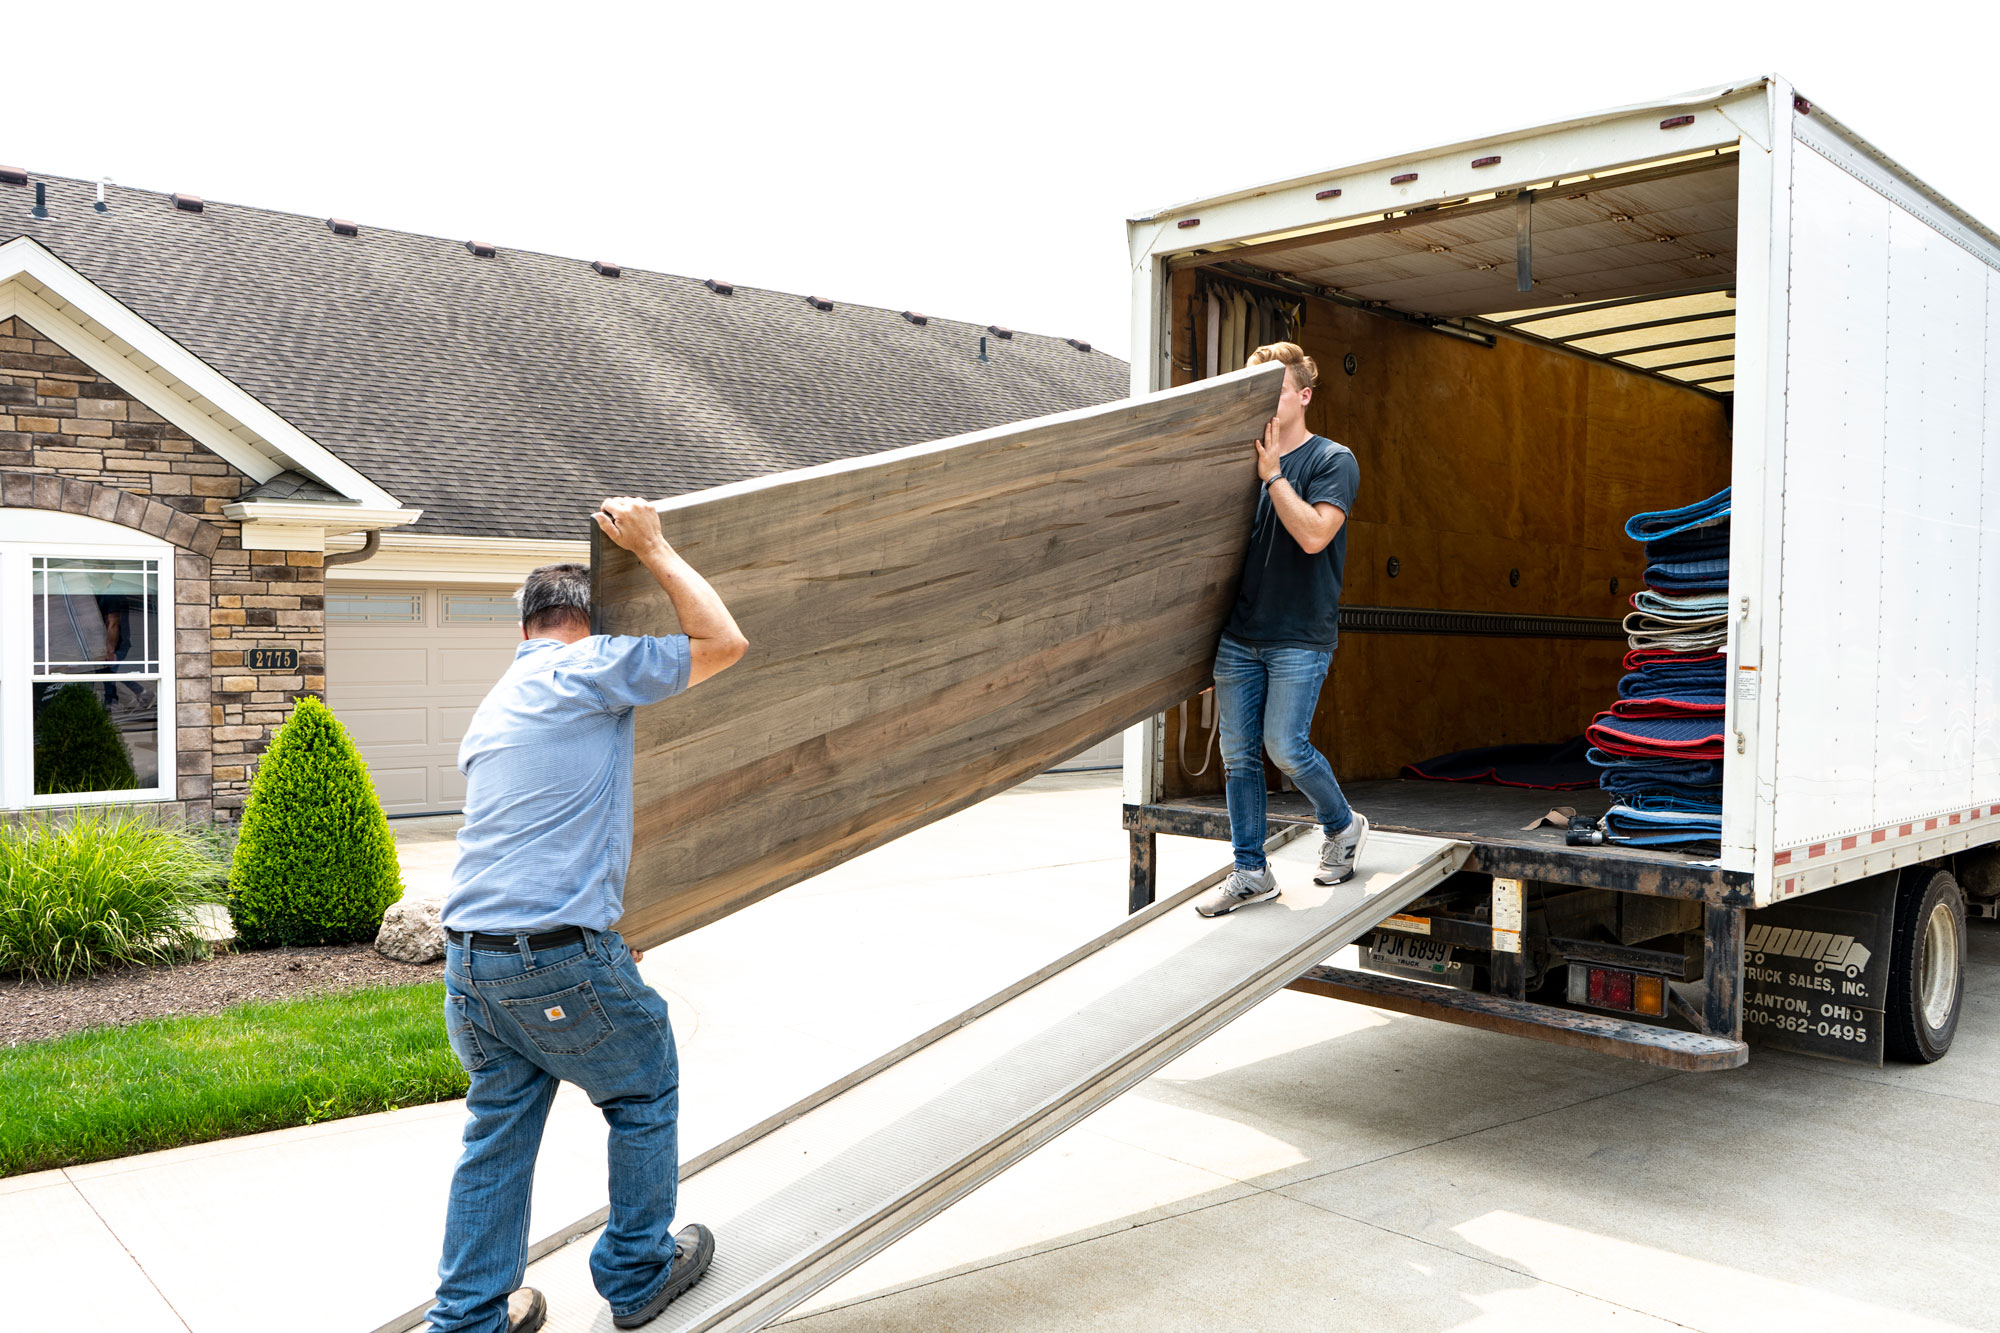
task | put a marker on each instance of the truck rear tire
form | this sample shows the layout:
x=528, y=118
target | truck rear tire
x=1926, y=966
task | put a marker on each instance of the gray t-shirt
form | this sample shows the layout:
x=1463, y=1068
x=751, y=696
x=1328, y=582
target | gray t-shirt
x=1289, y=599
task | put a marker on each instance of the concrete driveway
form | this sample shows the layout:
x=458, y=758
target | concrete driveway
x=1325, y=1166
x=1315, y=1166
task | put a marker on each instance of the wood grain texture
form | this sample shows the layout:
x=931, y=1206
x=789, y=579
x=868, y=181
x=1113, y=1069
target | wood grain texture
x=927, y=627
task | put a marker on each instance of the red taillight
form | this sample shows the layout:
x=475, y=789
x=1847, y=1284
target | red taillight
x=1485, y=161
x=1615, y=988
x=1675, y=122
x=1327, y=194
x=1610, y=989
x=1403, y=179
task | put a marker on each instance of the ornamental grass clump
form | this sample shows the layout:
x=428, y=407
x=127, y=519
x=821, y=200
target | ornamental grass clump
x=96, y=889
x=315, y=862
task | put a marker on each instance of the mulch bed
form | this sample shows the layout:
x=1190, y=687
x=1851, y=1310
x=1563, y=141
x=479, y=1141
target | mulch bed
x=39, y=1010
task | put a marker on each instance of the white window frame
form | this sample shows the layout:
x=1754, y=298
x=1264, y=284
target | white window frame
x=334, y=616
x=42, y=532
x=502, y=597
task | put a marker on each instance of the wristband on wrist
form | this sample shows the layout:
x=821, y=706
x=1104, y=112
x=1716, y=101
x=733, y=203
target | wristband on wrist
x=1275, y=476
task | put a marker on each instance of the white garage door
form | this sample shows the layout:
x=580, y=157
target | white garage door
x=405, y=668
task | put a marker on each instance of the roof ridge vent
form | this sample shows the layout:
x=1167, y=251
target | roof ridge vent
x=189, y=203
x=819, y=303
x=342, y=227
x=916, y=318
x=606, y=269
x=13, y=176
x=1000, y=330
x=719, y=287
x=1078, y=343
x=482, y=249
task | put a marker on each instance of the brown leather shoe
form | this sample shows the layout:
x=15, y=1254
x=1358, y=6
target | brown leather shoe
x=526, y=1310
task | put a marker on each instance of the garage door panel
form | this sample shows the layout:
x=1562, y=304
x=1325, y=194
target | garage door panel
x=472, y=666
x=381, y=728
x=407, y=788
x=407, y=688
x=452, y=722
x=376, y=666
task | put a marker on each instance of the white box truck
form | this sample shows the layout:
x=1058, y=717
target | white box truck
x=1529, y=338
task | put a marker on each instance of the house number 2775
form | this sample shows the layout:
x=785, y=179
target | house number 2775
x=274, y=659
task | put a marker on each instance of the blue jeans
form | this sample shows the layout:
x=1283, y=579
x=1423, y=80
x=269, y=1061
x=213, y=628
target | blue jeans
x=521, y=1020
x=1266, y=697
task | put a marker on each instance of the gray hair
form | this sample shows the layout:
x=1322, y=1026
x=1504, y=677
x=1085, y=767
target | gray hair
x=555, y=595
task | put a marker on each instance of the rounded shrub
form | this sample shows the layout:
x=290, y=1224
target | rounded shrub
x=315, y=862
x=77, y=746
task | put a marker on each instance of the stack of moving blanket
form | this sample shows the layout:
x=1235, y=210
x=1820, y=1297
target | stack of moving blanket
x=1659, y=748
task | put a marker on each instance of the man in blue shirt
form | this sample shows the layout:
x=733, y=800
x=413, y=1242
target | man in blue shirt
x=1279, y=642
x=539, y=989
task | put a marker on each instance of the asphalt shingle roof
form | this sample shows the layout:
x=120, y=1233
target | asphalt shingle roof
x=507, y=396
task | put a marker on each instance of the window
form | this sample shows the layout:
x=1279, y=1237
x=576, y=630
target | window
x=96, y=623
x=86, y=659
x=480, y=608
x=375, y=608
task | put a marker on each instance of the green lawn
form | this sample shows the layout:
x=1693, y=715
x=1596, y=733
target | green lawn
x=167, y=1082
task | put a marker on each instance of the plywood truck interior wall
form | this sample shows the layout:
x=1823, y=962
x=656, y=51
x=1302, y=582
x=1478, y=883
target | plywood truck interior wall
x=1475, y=462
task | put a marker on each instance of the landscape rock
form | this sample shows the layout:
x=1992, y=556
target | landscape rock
x=411, y=931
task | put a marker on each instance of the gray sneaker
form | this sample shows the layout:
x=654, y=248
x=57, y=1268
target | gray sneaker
x=1337, y=854
x=1242, y=888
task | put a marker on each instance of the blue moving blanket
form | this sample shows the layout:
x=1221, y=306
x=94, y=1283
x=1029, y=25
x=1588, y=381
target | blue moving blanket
x=1679, y=606
x=1683, y=577
x=1693, y=772
x=1557, y=767
x=1699, y=800
x=1667, y=522
x=1663, y=684
x=1709, y=543
x=1661, y=828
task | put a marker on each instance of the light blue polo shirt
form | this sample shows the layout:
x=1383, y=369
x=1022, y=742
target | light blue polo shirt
x=548, y=783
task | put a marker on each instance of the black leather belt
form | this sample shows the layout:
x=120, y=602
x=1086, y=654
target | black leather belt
x=553, y=939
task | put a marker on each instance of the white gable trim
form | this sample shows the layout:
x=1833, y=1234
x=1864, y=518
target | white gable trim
x=113, y=340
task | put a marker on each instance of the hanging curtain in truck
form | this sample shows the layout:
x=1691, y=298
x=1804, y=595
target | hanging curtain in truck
x=1230, y=320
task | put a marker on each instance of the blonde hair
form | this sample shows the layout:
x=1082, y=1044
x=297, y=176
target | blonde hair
x=1305, y=371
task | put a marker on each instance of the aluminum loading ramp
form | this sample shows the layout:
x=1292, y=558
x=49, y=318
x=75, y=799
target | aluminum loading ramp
x=808, y=1195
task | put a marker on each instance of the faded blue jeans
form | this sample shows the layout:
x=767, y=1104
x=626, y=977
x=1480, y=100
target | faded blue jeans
x=521, y=1020
x=1265, y=698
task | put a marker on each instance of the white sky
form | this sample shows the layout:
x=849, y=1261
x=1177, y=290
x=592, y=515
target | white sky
x=974, y=161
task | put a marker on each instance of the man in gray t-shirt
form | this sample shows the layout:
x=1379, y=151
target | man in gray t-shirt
x=1278, y=644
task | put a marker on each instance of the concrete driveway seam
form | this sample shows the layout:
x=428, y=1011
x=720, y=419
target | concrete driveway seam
x=136, y=1262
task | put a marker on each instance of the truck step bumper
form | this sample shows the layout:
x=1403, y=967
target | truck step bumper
x=1687, y=1051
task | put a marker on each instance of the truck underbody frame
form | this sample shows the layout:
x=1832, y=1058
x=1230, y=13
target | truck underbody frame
x=1490, y=820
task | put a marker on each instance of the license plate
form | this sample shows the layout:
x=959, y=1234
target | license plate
x=1421, y=960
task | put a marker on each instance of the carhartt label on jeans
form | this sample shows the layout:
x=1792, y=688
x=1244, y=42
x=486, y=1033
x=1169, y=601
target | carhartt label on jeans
x=553, y=1014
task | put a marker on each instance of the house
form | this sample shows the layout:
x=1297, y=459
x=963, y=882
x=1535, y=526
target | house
x=248, y=455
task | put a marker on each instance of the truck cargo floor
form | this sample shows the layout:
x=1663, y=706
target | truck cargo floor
x=1491, y=818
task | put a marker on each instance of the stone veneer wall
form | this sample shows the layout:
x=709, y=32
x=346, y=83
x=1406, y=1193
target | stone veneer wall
x=72, y=440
